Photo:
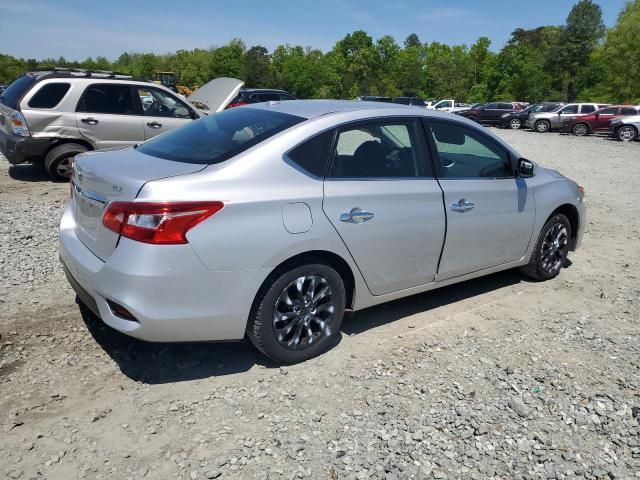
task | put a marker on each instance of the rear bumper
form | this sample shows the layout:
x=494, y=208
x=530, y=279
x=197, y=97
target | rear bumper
x=22, y=149
x=171, y=294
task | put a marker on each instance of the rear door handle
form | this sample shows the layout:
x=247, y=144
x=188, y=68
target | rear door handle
x=89, y=120
x=356, y=215
x=462, y=206
x=154, y=125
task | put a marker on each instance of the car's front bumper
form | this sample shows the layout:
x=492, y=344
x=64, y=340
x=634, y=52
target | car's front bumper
x=168, y=290
x=22, y=149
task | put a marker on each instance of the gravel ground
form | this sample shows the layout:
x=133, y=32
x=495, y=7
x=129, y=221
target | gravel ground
x=493, y=378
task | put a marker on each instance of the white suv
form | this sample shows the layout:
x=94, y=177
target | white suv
x=50, y=116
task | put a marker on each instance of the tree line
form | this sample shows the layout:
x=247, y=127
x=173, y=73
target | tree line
x=580, y=60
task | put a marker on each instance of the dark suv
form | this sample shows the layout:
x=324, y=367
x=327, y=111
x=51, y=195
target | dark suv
x=491, y=112
x=413, y=101
x=257, y=95
x=516, y=120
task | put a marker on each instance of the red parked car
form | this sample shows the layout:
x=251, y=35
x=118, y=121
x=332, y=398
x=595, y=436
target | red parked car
x=597, y=121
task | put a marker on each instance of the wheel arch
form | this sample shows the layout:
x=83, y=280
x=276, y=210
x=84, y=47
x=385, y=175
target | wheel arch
x=324, y=256
x=572, y=214
x=586, y=124
x=63, y=141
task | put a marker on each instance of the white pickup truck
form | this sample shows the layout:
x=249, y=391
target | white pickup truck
x=448, y=105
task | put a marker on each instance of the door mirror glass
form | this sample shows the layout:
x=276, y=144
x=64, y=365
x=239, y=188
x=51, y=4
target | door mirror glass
x=525, y=168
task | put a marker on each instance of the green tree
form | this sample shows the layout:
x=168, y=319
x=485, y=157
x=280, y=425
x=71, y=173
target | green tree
x=258, y=70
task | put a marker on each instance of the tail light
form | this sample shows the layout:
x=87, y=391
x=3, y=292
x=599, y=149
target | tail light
x=159, y=223
x=236, y=104
x=19, y=125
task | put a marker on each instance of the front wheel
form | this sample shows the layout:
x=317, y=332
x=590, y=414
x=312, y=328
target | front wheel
x=627, y=133
x=542, y=126
x=580, y=130
x=298, y=312
x=515, y=124
x=551, y=250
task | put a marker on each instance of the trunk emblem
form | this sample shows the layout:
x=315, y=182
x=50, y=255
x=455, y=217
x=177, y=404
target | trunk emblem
x=116, y=188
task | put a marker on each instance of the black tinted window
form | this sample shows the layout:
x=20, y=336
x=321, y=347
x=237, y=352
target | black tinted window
x=491, y=106
x=587, y=109
x=113, y=99
x=378, y=150
x=419, y=102
x=14, y=92
x=49, y=95
x=313, y=155
x=464, y=153
x=402, y=100
x=628, y=111
x=218, y=137
x=505, y=106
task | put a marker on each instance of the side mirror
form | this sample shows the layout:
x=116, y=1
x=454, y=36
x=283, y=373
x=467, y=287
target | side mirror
x=525, y=168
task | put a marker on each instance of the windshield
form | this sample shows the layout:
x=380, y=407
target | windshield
x=218, y=137
x=14, y=92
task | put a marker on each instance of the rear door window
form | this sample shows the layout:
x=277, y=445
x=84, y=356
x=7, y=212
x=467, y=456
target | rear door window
x=49, y=95
x=216, y=138
x=628, y=111
x=112, y=99
x=505, y=106
x=380, y=149
x=588, y=109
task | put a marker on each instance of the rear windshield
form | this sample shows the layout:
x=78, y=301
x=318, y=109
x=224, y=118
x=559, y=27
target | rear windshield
x=218, y=137
x=14, y=92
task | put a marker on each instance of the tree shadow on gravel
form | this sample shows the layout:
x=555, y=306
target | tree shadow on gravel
x=373, y=317
x=158, y=363
x=28, y=173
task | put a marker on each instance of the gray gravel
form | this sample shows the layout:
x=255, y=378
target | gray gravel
x=497, y=378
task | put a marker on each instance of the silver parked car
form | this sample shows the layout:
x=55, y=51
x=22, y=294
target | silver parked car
x=546, y=121
x=272, y=219
x=626, y=129
x=49, y=116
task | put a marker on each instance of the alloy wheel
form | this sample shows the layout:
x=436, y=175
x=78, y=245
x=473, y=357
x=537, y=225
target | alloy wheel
x=65, y=167
x=304, y=312
x=515, y=123
x=580, y=130
x=542, y=126
x=554, y=247
x=626, y=134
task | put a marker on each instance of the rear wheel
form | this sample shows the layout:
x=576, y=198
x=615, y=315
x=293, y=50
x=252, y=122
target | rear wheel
x=580, y=129
x=515, y=124
x=59, y=161
x=298, y=312
x=627, y=133
x=551, y=249
x=542, y=126
x=473, y=118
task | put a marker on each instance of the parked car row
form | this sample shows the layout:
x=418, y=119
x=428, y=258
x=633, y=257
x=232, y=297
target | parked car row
x=580, y=119
x=50, y=116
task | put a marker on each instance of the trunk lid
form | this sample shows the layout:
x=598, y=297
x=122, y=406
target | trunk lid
x=103, y=177
x=217, y=94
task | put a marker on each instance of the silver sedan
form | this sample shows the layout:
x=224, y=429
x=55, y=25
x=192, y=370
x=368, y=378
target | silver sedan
x=273, y=219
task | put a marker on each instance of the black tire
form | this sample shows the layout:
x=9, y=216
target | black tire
x=580, y=129
x=627, y=133
x=542, y=126
x=515, y=124
x=538, y=268
x=261, y=327
x=57, y=161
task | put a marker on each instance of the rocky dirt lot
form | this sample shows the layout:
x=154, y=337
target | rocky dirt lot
x=495, y=378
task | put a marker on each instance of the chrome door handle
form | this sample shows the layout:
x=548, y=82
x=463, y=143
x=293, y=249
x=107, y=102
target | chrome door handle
x=154, y=125
x=90, y=121
x=462, y=206
x=356, y=215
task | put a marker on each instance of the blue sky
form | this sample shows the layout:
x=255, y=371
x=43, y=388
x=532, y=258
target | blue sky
x=78, y=29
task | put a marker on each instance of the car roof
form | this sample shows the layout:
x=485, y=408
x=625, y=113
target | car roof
x=263, y=90
x=315, y=108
